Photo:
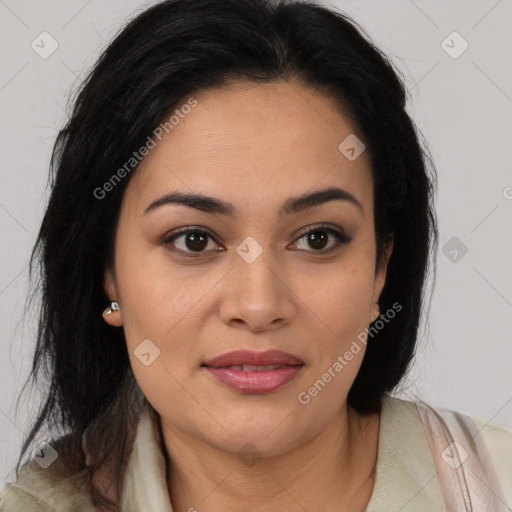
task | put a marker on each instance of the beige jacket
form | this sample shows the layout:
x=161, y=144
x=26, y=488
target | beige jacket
x=428, y=461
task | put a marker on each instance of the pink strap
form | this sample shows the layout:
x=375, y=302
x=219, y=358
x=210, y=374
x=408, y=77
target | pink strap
x=465, y=471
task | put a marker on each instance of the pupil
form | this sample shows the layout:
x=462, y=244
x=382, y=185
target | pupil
x=196, y=241
x=322, y=239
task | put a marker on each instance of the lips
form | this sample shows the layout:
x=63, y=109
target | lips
x=258, y=359
x=254, y=368
x=253, y=372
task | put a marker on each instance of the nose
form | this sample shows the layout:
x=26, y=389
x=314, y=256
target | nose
x=257, y=296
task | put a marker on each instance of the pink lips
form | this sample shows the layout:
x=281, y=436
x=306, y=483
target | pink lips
x=249, y=374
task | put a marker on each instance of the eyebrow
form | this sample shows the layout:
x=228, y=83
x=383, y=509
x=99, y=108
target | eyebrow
x=291, y=206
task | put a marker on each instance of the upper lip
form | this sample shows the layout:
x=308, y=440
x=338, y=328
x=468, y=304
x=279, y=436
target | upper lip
x=247, y=357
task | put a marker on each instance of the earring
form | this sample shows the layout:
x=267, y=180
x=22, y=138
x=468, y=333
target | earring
x=114, y=306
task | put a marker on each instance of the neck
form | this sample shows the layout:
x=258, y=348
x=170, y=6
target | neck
x=332, y=471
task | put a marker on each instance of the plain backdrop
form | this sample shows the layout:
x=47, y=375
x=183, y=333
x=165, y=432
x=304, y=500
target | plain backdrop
x=455, y=57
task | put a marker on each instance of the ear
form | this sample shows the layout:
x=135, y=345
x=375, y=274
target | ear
x=380, y=275
x=112, y=318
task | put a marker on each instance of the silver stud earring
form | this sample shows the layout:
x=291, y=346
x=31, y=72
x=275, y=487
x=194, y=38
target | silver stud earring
x=114, y=306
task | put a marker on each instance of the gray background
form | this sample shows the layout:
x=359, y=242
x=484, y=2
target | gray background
x=462, y=105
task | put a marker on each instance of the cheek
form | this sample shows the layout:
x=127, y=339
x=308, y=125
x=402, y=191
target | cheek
x=155, y=295
x=341, y=297
x=338, y=313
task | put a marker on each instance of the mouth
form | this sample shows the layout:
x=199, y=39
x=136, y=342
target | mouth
x=253, y=372
x=251, y=358
x=251, y=367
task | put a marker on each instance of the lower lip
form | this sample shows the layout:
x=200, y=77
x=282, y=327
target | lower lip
x=255, y=382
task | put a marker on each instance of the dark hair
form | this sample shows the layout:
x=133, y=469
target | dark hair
x=163, y=56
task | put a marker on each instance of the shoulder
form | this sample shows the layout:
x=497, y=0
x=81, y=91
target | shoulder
x=489, y=443
x=498, y=440
x=47, y=489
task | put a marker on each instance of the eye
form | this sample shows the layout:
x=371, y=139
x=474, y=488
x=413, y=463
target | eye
x=191, y=242
x=188, y=241
x=318, y=238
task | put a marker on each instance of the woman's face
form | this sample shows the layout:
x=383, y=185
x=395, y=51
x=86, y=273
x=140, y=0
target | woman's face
x=257, y=276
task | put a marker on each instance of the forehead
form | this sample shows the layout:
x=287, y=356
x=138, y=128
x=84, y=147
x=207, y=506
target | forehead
x=252, y=142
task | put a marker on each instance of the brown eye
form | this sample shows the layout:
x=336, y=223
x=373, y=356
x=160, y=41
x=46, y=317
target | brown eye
x=190, y=241
x=196, y=241
x=318, y=239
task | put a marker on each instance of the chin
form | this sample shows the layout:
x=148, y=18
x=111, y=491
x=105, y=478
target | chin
x=253, y=444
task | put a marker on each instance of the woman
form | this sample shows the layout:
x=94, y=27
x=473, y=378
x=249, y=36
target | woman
x=233, y=259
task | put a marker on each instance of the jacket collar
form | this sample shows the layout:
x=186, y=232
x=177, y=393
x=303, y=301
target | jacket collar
x=405, y=474
x=145, y=483
x=406, y=477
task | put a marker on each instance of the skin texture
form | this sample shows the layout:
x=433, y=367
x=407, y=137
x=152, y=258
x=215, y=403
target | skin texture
x=254, y=145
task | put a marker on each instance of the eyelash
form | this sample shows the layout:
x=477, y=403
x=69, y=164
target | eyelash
x=340, y=239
